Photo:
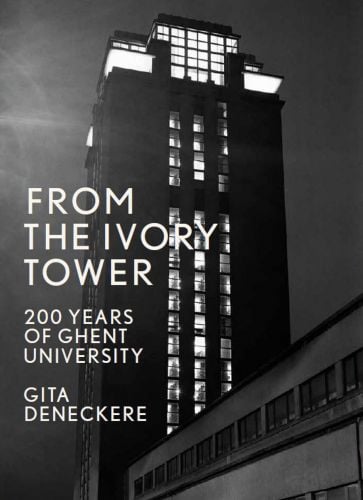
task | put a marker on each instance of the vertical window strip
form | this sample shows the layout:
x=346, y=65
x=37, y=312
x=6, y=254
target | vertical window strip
x=198, y=148
x=225, y=304
x=222, y=160
x=174, y=148
x=199, y=317
x=173, y=389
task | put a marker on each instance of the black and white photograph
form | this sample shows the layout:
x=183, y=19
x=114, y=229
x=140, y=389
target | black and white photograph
x=181, y=250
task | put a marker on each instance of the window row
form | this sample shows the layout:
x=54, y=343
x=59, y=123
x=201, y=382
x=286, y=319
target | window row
x=315, y=393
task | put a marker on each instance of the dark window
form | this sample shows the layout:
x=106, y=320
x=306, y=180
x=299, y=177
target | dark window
x=280, y=411
x=204, y=451
x=186, y=461
x=318, y=391
x=149, y=481
x=249, y=427
x=160, y=475
x=224, y=440
x=353, y=371
x=172, y=468
x=138, y=486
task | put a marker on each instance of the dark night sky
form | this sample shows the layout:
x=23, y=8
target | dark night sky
x=50, y=57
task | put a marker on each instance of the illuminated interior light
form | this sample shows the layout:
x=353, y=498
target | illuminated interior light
x=89, y=142
x=125, y=59
x=261, y=82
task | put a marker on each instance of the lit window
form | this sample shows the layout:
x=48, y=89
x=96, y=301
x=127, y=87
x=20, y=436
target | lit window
x=223, y=183
x=219, y=49
x=173, y=344
x=198, y=143
x=171, y=428
x=177, y=32
x=178, y=51
x=199, y=216
x=173, y=367
x=198, y=160
x=174, y=216
x=217, y=78
x=199, y=241
x=174, y=301
x=217, y=66
x=199, y=261
x=199, y=324
x=199, y=282
x=225, y=387
x=199, y=303
x=222, y=127
x=198, y=407
x=173, y=322
x=163, y=29
x=217, y=39
x=219, y=58
x=173, y=389
x=226, y=371
x=224, y=245
x=174, y=279
x=177, y=71
x=174, y=176
x=198, y=123
x=174, y=138
x=174, y=258
x=199, y=390
x=252, y=67
x=224, y=263
x=225, y=284
x=199, y=369
x=174, y=157
x=174, y=120
x=173, y=413
x=222, y=109
x=225, y=305
x=199, y=347
x=224, y=223
x=177, y=59
x=232, y=45
x=192, y=73
x=226, y=349
x=172, y=236
x=192, y=35
x=198, y=176
x=222, y=146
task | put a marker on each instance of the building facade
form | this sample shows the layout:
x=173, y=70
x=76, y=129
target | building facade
x=193, y=126
x=292, y=431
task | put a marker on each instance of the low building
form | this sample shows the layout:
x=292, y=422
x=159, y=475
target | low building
x=293, y=430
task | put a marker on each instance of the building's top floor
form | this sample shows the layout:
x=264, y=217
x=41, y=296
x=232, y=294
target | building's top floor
x=317, y=383
x=199, y=52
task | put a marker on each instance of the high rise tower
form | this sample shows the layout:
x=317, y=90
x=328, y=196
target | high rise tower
x=194, y=127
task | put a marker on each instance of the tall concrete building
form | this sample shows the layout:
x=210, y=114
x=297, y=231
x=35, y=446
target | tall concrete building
x=193, y=125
